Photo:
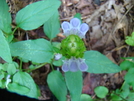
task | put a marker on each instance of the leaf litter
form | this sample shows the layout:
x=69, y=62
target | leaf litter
x=110, y=22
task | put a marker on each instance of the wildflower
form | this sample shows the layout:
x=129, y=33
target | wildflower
x=57, y=56
x=75, y=27
x=72, y=47
x=74, y=64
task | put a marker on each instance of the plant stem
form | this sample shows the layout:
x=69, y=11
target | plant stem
x=30, y=70
x=20, y=65
x=52, y=66
x=15, y=30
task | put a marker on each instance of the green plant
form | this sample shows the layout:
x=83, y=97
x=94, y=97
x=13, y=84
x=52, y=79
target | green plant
x=41, y=51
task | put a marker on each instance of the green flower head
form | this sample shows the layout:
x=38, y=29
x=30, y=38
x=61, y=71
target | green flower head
x=72, y=46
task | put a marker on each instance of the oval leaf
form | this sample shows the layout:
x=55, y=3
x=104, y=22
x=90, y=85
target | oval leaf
x=101, y=91
x=24, y=79
x=36, y=14
x=52, y=26
x=57, y=85
x=5, y=17
x=85, y=97
x=39, y=50
x=74, y=84
x=14, y=87
x=99, y=63
x=11, y=69
x=4, y=49
x=129, y=77
x=125, y=65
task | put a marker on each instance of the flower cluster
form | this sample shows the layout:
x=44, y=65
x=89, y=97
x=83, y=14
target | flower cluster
x=75, y=27
x=73, y=64
x=72, y=47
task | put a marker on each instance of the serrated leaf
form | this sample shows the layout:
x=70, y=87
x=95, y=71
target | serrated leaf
x=39, y=50
x=4, y=49
x=36, y=14
x=99, y=63
x=5, y=17
x=52, y=26
x=74, y=84
x=101, y=91
x=57, y=85
x=24, y=79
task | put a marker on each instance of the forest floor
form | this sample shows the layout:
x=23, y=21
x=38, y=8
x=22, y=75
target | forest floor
x=110, y=22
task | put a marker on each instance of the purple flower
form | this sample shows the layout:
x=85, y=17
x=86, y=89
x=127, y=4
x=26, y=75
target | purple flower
x=74, y=65
x=57, y=56
x=75, y=27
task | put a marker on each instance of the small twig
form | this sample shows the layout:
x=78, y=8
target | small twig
x=121, y=19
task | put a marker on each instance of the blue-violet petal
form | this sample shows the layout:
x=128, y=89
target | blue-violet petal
x=75, y=22
x=73, y=65
x=65, y=26
x=65, y=67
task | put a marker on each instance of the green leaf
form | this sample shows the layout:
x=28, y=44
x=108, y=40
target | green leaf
x=74, y=84
x=4, y=49
x=115, y=97
x=52, y=26
x=85, y=97
x=59, y=62
x=1, y=75
x=5, y=65
x=9, y=38
x=15, y=87
x=2, y=83
x=39, y=50
x=101, y=91
x=78, y=15
x=36, y=14
x=56, y=44
x=57, y=85
x=5, y=17
x=11, y=69
x=131, y=97
x=1, y=66
x=128, y=58
x=125, y=65
x=130, y=39
x=24, y=79
x=125, y=90
x=129, y=77
x=99, y=63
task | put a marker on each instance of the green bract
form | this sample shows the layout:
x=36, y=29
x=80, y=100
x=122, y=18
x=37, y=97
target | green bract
x=72, y=46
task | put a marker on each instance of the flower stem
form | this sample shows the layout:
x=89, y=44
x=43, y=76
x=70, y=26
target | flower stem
x=52, y=65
